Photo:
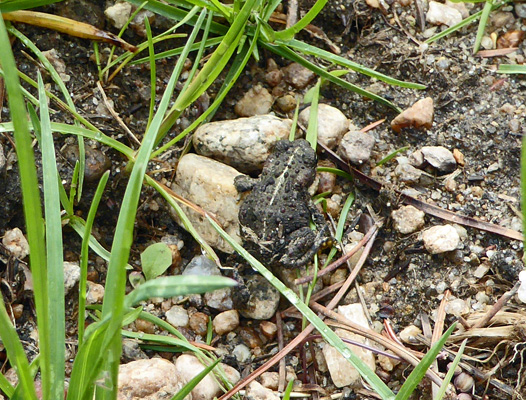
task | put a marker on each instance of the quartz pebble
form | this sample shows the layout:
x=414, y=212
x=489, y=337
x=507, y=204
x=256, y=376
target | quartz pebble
x=256, y=391
x=118, y=14
x=177, y=316
x=440, y=158
x=408, y=334
x=356, y=147
x=268, y=329
x=256, y=101
x=16, y=243
x=226, y=322
x=342, y=373
x=151, y=379
x=442, y=14
x=440, y=239
x=188, y=366
x=332, y=124
x=419, y=115
x=408, y=219
x=71, y=275
x=95, y=293
x=210, y=185
x=270, y=380
x=243, y=143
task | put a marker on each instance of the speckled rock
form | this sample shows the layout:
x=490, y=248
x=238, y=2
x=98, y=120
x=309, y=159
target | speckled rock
x=440, y=158
x=440, y=239
x=356, y=147
x=152, y=379
x=332, y=124
x=342, y=372
x=297, y=75
x=95, y=293
x=256, y=101
x=118, y=14
x=407, y=173
x=442, y=14
x=188, y=366
x=408, y=219
x=226, y=322
x=256, y=391
x=243, y=143
x=177, y=316
x=16, y=243
x=210, y=185
x=71, y=275
x=263, y=302
x=419, y=115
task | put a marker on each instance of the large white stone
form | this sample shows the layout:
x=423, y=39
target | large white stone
x=243, y=143
x=210, y=185
x=332, y=124
x=442, y=14
x=440, y=239
x=342, y=372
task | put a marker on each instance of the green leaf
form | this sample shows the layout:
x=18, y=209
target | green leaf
x=155, y=259
x=194, y=381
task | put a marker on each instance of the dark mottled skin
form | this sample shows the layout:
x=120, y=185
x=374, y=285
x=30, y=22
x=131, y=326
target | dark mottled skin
x=275, y=216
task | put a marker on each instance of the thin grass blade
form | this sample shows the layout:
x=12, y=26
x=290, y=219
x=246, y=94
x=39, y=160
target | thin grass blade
x=186, y=389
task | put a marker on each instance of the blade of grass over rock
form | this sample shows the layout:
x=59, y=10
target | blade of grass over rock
x=305, y=48
x=31, y=204
x=192, y=383
x=5, y=385
x=113, y=304
x=289, y=33
x=416, y=376
x=54, y=250
x=284, y=51
x=312, y=129
x=376, y=383
x=442, y=391
x=512, y=69
x=389, y=157
x=84, y=254
x=335, y=171
x=341, y=226
x=482, y=24
x=170, y=286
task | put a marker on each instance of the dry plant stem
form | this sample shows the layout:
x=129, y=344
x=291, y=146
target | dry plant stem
x=282, y=366
x=400, y=351
x=308, y=330
x=115, y=115
x=496, y=52
x=68, y=26
x=496, y=307
x=437, y=332
x=341, y=260
x=372, y=126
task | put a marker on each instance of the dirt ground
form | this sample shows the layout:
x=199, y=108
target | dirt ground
x=477, y=111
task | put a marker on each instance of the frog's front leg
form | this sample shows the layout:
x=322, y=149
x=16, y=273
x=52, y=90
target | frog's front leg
x=303, y=244
x=244, y=183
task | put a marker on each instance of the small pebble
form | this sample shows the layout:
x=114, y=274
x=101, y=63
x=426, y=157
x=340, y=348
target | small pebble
x=16, y=243
x=71, y=275
x=95, y=293
x=407, y=173
x=198, y=322
x=440, y=239
x=144, y=326
x=241, y=353
x=118, y=14
x=268, y=329
x=332, y=124
x=256, y=391
x=408, y=334
x=286, y=103
x=441, y=14
x=297, y=75
x=408, y=219
x=226, y=322
x=419, y=115
x=177, y=316
x=256, y=101
x=356, y=147
x=440, y=158
x=270, y=380
x=457, y=307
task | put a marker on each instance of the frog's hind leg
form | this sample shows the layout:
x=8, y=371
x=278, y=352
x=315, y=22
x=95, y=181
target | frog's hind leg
x=304, y=243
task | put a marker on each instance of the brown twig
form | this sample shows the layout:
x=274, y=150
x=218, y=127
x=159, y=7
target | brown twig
x=501, y=302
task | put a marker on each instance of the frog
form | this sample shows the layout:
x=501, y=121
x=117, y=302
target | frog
x=275, y=215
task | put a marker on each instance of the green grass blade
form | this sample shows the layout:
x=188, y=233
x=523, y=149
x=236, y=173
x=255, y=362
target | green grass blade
x=512, y=69
x=31, y=198
x=84, y=254
x=5, y=385
x=482, y=24
x=312, y=129
x=389, y=157
x=419, y=372
x=186, y=389
x=376, y=383
x=15, y=5
x=284, y=51
x=54, y=251
x=302, y=23
x=16, y=355
x=153, y=74
x=170, y=286
x=335, y=171
x=442, y=390
x=343, y=62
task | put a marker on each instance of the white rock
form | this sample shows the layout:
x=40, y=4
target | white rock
x=177, y=316
x=342, y=372
x=152, y=379
x=332, y=124
x=226, y=322
x=441, y=14
x=356, y=147
x=243, y=143
x=408, y=219
x=118, y=14
x=71, y=275
x=461, y=7
x=242, y=353
x=408, y=173
x=256, y=101
x=270, y=380
x=440, y=158
x=457, y=307
x=210, y=185
x=256, y=391
x=16, y=243
x=408, y=334
x=188, y=366
x=95, y=293
x=440, y=239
